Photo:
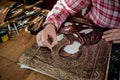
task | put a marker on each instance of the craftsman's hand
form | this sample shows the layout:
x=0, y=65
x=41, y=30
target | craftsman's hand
x=47, y=33
x=112, y=35
x=3, y=13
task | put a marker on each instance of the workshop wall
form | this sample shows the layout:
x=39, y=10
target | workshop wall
x=47, y=4
x=26, y=1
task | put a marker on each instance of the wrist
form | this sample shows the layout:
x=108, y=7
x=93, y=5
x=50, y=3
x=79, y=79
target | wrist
x=50, y=25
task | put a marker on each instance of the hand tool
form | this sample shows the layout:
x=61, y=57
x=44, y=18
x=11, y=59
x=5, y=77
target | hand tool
x=15, y=27
x=11, y=34
x=29, y=14
x=21, y=11
x=30, y=6
x=13, y=8
x=21, y=23
x=36, y=26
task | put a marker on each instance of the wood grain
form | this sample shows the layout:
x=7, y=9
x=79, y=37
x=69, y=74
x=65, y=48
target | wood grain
x=13, y=48
x=10, y=52
x=9, y=70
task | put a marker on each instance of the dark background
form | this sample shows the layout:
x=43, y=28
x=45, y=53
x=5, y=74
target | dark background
x=47, y=4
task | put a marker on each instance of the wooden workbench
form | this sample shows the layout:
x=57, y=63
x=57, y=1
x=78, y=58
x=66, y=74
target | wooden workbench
x=10, y=52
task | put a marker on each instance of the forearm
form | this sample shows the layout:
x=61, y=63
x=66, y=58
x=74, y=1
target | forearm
x=64, y=8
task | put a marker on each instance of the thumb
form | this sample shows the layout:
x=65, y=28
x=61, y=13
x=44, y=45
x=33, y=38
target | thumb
x=47, y=44
x=54, y=41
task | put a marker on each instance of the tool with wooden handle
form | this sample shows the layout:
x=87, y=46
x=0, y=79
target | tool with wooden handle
x=29, y=14
x=22, y=11
x=36, y=26
x=13, y=8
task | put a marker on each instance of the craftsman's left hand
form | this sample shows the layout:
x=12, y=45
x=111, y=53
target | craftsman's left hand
x=112, y=35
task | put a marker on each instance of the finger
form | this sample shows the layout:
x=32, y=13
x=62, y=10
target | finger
x=54, y=42
x=47, y=44
x=112, y=31
x=118, y=41
x=112, y=38
x=111, y=35
x=54, y=38
x=38, y=39
x=41, y=41
x=44, y=40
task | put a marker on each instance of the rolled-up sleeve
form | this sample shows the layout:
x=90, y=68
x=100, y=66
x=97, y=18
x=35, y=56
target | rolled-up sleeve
x=63, y=8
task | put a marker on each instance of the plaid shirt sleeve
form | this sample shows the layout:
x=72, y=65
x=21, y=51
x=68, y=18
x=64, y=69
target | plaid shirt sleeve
x=105, y=13
x=63, y=8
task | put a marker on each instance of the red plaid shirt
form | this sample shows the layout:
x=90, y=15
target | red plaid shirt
x=105, y=13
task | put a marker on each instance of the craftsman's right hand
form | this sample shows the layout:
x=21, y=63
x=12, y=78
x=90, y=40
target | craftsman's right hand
x=48, y=32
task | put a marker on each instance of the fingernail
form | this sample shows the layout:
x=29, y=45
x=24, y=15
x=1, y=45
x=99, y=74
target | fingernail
x=106, y=40
x=104, y=32
x=102, y=37
x=56, y=42
x=52, y=46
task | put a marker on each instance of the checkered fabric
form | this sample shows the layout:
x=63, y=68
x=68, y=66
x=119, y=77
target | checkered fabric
x=105, y=13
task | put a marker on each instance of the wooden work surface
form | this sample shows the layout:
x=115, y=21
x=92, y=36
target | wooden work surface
x=10, y=52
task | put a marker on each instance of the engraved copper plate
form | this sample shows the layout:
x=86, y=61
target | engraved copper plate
x=90, y=62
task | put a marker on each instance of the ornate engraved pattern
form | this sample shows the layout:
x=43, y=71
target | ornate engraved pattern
x=90, y=63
